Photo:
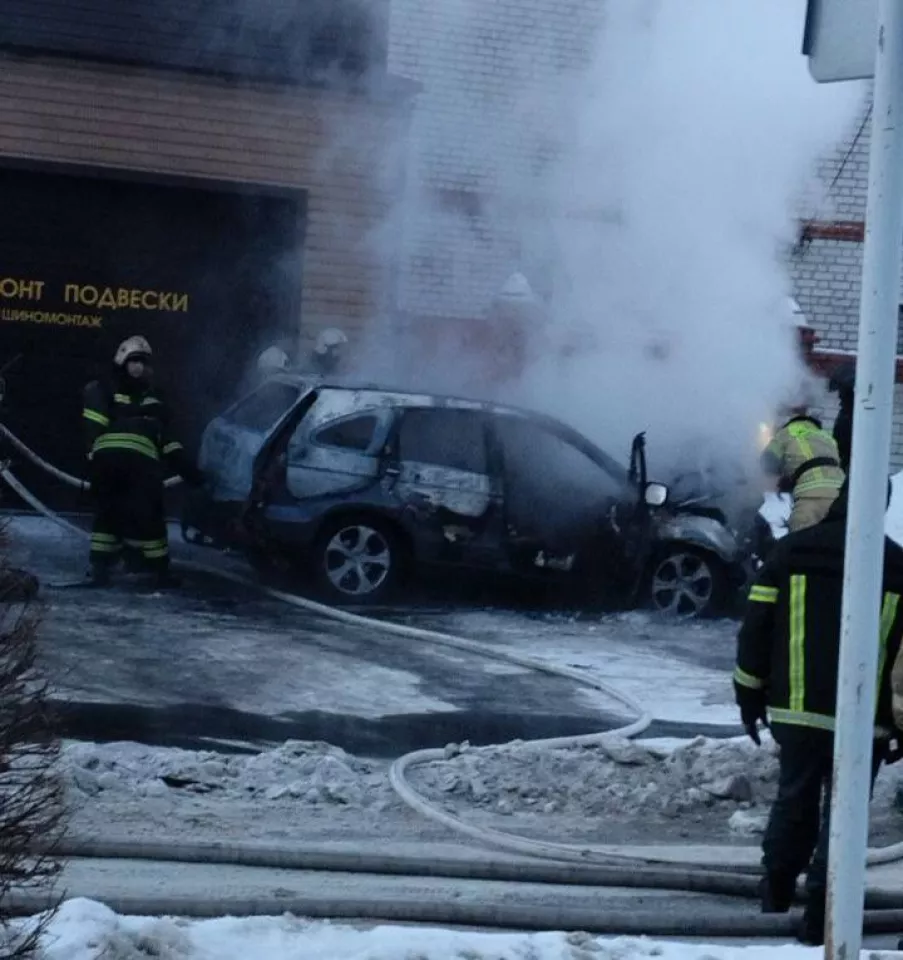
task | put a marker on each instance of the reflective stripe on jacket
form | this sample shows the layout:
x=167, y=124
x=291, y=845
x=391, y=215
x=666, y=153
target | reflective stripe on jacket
x=789, y=642
x=798, y=442
x=130, y=422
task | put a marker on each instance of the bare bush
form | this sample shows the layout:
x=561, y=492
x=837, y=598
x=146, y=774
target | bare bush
x=31, y=793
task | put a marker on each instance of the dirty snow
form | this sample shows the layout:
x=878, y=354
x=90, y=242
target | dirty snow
x=86, y=930
x=705, y=788
x=296, y=793
x=300, y=773
x=622, y=792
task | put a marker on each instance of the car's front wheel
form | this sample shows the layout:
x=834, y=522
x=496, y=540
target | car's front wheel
x=686, y=582
x=357, y=560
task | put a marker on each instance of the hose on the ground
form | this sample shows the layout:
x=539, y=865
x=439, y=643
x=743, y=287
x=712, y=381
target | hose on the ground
x=507, y=916
x=504, y=841
x=55, y=472
x=25, y=494
x=399, y=770
x=382, y=863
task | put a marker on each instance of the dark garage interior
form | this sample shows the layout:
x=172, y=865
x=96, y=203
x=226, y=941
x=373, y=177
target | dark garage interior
x=229, y=258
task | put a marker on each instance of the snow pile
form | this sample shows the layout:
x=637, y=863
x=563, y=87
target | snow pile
x=312, y=773
x=85, y=930
x=727, y=783
x=620, y=780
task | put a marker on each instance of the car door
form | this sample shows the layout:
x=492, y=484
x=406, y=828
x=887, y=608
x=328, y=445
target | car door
x=559, y=503
x=450, y=501
x=337, y=453
x=231, y=442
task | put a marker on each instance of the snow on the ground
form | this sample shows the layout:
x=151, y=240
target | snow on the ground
x=618, y=779
x=722, y=784
x=86, y=930
x=623, y=791
x=297, y=772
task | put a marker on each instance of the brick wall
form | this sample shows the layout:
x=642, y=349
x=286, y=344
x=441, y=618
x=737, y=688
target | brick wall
x=827, y=274
x=484, y=130
x=827, y=277
x=196, y=127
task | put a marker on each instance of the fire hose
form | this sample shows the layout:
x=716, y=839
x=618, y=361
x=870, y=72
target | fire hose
x=55, y=472
x=602, y=866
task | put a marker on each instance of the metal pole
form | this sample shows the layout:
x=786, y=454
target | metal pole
x=863, y=569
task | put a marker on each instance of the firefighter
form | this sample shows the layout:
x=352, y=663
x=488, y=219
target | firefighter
x=328, y=351
x=786, y=678
x=271, y=361
x=803, y=457
x=130, y=450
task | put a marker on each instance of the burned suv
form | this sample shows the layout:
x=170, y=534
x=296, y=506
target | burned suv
x=364, y=487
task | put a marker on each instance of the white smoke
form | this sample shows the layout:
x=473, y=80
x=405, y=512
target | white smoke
x=700, y=123
x=684, y=151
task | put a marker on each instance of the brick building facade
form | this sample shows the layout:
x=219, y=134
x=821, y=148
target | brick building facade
x=223, y=128
x=419, y=139
x=827, y=266
x=484, y=134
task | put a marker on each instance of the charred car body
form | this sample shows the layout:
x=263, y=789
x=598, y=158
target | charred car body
x=365, y=486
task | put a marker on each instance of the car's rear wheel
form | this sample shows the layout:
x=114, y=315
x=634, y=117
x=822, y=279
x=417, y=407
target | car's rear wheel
x=357, y=560
x=686, y=582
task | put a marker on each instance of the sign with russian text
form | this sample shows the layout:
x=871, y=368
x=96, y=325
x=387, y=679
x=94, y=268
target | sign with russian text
x=29, y=300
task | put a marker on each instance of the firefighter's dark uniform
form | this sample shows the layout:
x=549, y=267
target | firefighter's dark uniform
x=787, y=659
x=131, y=451
x=805, y=458
x=843, y=427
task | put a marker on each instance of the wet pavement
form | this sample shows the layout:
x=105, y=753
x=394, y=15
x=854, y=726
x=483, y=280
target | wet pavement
x=222, y=667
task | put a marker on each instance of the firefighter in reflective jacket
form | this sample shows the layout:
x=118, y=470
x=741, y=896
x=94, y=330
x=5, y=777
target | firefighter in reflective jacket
x=130, y=451
x=786, y=677
x=804, y=459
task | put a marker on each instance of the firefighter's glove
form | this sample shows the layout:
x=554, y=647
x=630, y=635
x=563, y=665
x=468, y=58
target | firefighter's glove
x=753, y=710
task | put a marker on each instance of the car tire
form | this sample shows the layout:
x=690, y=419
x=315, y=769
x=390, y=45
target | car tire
x=686, y=583
x=357, y=559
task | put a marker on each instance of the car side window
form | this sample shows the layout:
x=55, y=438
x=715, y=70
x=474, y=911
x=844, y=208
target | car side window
x=444, y=438
x=265, y=406
x=355, y=433
x=555, y=470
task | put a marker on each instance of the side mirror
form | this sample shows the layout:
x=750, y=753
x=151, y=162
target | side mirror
x=655, y=494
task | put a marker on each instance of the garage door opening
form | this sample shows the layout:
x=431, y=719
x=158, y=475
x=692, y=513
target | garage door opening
x=207, y=273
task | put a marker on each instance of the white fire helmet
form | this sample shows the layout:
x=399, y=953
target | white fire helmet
x=795, y=313
x=330, y=339
x=517, y=288
x=272, y=360
x=133, y=347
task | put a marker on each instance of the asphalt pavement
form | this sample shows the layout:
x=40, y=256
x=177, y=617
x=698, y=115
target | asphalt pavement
x=213, y=663
x=218, y=666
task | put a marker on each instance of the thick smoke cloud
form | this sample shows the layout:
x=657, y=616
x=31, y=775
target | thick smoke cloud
x=677, y=161
x=701, y=125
